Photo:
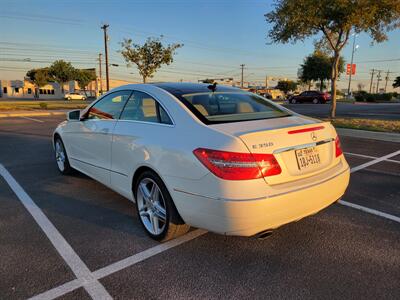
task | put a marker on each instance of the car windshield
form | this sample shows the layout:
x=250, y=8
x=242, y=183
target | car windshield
x=223, y=107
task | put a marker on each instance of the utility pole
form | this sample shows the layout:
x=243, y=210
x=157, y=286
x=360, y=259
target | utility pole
x=241, y=81
x=378, y=78
x=372, y=79
x=104, y=27
x=101, y=79
x=351, y=64
x=266, y=81
x=387, y=79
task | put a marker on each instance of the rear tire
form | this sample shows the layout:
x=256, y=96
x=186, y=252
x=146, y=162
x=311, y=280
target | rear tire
x=293, y=101
x=156, y=210
x=315, y=101
x=61, y=157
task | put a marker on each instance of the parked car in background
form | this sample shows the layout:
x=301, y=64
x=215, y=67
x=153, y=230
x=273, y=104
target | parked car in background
x=74, y=96
x=311, y=97
x=210, y=157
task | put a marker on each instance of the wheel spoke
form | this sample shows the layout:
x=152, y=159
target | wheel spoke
x=154, y=222
x=160, y=212
x=143, y=213
x=144, y=191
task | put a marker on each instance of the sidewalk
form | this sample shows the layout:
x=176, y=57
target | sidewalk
x=373, y=135
x=31, y=113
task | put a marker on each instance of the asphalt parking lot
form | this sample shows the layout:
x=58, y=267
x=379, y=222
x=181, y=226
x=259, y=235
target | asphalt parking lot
x=70, y=237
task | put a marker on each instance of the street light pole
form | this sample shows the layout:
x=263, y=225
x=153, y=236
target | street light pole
x=101, y=79
x=351, y=64
x=241, y=81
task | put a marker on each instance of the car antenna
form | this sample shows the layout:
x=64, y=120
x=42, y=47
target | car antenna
x=213, y=87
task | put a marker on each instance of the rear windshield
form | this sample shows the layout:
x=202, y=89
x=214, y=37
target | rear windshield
x=224, y=107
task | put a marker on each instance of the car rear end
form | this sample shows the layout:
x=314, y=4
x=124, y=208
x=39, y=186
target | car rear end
x=283, y=167
x=326, y=97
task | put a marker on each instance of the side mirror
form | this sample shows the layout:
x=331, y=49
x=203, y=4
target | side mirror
x=74, y=115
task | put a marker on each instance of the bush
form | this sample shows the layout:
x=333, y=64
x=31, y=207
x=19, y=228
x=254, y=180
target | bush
x=386, y=97
x=370, y=97
x=43, y=105
x=360, y=96
x=364, y=96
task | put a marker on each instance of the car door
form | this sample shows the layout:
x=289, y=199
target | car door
x=143, y=125
x=89, y=140
x=300, y=98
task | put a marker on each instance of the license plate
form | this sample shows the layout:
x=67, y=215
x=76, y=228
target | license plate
x=307, y=158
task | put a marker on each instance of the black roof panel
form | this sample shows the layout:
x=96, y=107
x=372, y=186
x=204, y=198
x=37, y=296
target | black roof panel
x=182, y=88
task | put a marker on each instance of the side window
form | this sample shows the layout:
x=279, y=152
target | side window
x=110, y=106
x=142, y=107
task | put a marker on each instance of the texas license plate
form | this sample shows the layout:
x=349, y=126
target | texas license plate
x=307, y=158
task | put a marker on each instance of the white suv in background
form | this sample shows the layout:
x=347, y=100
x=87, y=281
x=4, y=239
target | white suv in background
x=74, y=96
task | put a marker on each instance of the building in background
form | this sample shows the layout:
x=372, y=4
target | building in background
x=25, y=89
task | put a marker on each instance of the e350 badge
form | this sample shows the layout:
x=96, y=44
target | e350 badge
x=262, y=145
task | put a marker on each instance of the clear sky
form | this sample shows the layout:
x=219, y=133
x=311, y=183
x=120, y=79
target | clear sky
x=218, y=36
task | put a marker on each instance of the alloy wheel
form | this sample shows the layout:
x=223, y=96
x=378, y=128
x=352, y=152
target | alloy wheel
x=60, y=155
x=151, y=206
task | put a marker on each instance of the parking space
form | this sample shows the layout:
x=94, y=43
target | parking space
x=25, y=252
x=339, y=252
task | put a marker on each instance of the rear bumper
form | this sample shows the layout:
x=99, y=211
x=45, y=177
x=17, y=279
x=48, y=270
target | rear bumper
x=249, y=217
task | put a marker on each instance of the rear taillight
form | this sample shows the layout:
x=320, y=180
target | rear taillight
x=238, y=166
x=338, y=148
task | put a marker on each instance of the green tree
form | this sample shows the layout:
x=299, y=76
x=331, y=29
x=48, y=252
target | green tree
x=286, y=86
x=84, y=77
x=39, y=77
x=296, y=20
x=148, y=57
x=318, y=67
x=396, y=82
x=62, y=72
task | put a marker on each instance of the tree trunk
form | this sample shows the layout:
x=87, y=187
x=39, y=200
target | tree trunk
x=321, y=86
x=309, y=85
x=334, y=77
x=144, y=79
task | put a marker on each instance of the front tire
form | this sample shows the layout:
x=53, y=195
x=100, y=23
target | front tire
x=61, y=157
x=293, y=101
x=315, y=101
x=156, y=210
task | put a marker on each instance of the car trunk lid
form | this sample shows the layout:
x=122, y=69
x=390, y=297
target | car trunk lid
x=302, y=146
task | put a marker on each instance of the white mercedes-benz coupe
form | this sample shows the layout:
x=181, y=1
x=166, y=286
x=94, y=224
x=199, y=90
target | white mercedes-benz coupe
x=208, y=156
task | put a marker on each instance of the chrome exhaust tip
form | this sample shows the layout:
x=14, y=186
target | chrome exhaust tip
x=263, y=234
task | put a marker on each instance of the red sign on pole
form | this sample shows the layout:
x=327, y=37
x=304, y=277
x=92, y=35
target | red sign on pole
x=351, y=68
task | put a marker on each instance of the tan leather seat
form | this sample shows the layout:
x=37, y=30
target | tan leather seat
x=244, y=107
x=149, y=108
x=201, y=109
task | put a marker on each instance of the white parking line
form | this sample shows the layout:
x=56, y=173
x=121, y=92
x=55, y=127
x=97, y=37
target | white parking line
x=370, y=157
x=95, y=289
x=32, y=119
x=375, y=161
x=370, y=211
x=120, y=265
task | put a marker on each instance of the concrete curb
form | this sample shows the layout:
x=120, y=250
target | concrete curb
x=373, y=135
x=31, y=114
